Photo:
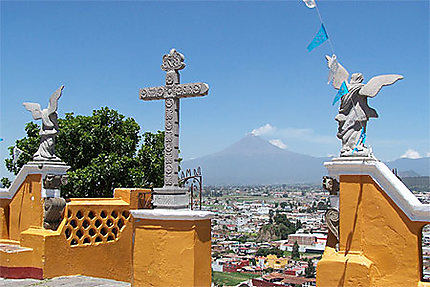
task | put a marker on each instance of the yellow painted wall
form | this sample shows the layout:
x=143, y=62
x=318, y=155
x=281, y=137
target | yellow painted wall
x=378, y=244
x=172, y=253
x=26, y=207
x=109, y=256
x=135, y=197
x=4, y=218
x=94, y=238
x=276, y=263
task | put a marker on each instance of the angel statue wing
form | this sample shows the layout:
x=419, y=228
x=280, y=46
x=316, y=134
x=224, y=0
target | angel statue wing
x=53, y=100
x=375, y=84
x=337, y=74
x=35, y=110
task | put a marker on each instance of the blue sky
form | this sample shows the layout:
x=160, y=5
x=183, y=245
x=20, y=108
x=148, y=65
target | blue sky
x=251, y=53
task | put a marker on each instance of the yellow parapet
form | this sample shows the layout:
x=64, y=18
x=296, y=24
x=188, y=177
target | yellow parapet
x=94, y=237
x=172, y=248
x=379, y=230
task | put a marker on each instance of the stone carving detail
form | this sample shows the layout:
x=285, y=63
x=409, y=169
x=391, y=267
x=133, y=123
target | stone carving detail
x=170, y=200
x=354, y=112
x=172, y=92
x=49, y=129
x=53, y=212
x=332, y=221
x=331, y=185
x=332, y=215
x=173, y=61
x=54, y=181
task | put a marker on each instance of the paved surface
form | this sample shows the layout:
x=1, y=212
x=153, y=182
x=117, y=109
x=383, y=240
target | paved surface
x=66, y=281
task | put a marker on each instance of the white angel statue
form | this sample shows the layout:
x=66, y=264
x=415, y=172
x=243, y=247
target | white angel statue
x=49, y=129
x=354, y=111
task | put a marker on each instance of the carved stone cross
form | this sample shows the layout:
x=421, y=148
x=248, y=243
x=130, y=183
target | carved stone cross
x=171, y=196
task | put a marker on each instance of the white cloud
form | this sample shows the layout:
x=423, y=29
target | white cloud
x=331, y=155
x=428, y=154
x=278, y=143
x=264, y=130
x=410, y=153
x=298, y=134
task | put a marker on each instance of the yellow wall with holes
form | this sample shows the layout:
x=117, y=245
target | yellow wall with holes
x=94, y=238
x=378, y=244
x=95, y=241
x=172, y=253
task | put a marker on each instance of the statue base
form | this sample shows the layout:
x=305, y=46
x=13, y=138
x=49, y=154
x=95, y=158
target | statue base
x=170, y=197
x=47, y=162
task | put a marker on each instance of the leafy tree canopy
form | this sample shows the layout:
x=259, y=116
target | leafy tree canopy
x=103, y=152
x=295, y=254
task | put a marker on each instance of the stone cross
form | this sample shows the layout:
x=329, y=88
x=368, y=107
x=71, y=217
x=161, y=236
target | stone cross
x=171, y=196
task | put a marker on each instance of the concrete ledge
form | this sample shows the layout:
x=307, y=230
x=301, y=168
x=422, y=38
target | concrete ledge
x=390, y=183
x=168, y=214
x=42, y=168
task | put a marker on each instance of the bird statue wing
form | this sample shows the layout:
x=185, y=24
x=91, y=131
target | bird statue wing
x=35, y=110
x=53, y=100
x=337, y=74
x=375, y=84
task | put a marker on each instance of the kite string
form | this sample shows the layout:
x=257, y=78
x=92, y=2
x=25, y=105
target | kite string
x=322, y=22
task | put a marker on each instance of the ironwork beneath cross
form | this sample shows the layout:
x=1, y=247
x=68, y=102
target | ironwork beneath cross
x=171, y=196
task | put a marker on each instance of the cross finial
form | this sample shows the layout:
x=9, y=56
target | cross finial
x=174, y=61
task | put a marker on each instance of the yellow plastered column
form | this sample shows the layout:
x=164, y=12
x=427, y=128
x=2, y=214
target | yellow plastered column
x=171, y=248
x=379, y=245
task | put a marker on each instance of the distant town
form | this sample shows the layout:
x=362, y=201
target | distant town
x=274, y=235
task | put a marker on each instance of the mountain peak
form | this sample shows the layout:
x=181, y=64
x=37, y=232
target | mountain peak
x=252, y=145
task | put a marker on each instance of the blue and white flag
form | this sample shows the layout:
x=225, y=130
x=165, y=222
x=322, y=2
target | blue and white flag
x=343, y=90
x=320, y=38
x=16, y=154
x=310, y=3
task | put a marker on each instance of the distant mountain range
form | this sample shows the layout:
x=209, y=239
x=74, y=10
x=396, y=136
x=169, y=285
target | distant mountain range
x=254, y=161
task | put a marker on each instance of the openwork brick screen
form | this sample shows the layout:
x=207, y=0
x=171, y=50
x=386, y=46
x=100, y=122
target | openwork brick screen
x=86, y=226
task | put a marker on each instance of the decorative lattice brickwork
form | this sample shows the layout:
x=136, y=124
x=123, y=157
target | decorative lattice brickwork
x=92, y=227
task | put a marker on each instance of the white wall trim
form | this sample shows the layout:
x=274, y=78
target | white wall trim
x=34, y=168
x=171, y=214
x=382, y=175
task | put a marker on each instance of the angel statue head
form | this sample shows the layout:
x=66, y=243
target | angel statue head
x=49, y=129
x=354, y=111
x=356, y=78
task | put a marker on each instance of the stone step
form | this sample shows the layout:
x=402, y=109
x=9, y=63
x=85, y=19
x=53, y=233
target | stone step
x=13, y=248
x=70, y=281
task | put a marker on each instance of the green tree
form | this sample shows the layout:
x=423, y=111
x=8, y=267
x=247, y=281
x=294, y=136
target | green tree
x=270, y=216
x=310, y=269
x=298, y=224
x=5, y=182
x=295, y=253
x=102, y=150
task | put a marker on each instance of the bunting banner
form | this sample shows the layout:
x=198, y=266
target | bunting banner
x=343, y=90
x=361, y=139
x=310, y=3
x=320, y=38
x=16, y=154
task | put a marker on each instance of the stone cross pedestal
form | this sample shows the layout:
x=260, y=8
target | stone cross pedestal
x=171, y=196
